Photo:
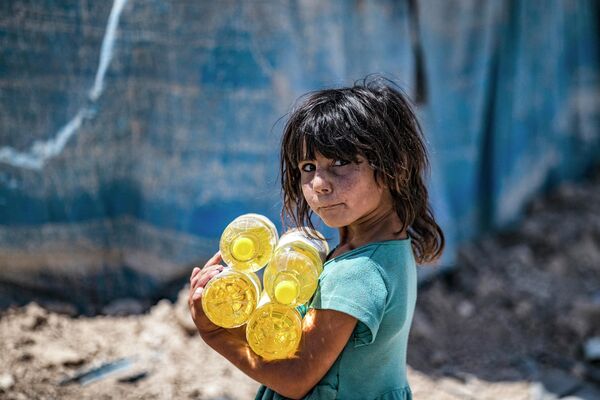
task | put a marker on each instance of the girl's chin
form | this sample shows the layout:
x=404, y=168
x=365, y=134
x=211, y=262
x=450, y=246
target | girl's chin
x=333, y=222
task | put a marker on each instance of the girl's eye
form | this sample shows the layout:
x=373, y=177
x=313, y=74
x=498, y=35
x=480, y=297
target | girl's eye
x=339, y=163
x=307, y=167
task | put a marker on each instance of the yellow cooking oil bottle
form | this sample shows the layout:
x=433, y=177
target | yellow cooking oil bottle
x=274, y=330
x=247, y=243
x=292, y=275
x=230, y=297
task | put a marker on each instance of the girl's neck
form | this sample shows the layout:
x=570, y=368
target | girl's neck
x=382, y=224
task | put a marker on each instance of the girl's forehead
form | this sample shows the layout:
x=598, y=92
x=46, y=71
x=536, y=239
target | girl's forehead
x=315, y=157
x=313, y=148
x=315, y=154
x=321, y=158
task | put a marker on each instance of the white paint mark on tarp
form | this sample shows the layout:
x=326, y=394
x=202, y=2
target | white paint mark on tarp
x=106, y=50
x=42, y=151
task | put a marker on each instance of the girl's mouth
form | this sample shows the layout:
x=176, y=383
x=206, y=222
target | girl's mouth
x=325, y=208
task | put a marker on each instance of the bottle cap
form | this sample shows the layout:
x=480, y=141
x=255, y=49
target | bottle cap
x=243, y=248
x=286, y=292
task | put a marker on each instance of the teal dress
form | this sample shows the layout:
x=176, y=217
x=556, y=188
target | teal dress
x=376, y=284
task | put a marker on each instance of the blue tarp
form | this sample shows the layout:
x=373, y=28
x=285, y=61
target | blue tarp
x=132, y=132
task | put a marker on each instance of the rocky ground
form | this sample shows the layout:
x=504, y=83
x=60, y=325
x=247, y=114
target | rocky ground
x=524, y=306
x=519, y=319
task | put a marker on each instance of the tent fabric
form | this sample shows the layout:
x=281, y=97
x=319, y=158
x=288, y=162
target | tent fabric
x=133, y=132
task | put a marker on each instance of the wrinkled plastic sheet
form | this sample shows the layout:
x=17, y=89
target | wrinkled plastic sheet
x=133, y=132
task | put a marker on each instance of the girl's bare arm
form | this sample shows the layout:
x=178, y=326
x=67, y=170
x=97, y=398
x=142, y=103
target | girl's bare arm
x=325, y=333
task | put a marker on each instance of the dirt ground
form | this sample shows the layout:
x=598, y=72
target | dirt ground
x=40, y=349
x=513, y=321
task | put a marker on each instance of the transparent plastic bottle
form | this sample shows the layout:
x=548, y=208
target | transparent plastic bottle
x=274, y=331
x=292, y=275
x=230, y=298
x=247, y=243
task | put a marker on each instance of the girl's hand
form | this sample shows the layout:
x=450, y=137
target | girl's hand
x=198, y=280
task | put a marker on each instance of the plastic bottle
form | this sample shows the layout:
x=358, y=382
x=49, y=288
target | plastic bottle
x=274, y=330
x=292, y=275
x=247, y=243
x=230, y=298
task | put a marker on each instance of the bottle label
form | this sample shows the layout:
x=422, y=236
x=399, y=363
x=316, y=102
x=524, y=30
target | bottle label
x=297, y=235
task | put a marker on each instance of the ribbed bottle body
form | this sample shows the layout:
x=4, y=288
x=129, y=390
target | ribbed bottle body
x=230, y=298
x=274, y=331
x=247, y=243
x=292, y=275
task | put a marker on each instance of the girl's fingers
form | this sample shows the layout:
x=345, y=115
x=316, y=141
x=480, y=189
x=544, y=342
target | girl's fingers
x=212, y=263
x=195, y=272
x=214, y=259
x=204, y=278
x=208, y=270
x=199, y=282
x=197, y=293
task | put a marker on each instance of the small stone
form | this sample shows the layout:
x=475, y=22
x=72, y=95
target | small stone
x=133, y=377
x=592, y=373
x=25, y=357
x=591, y=349
x=24, y=342
x=524, y=309
x=6, y=382
x=212, y=391
x=588, y=312
x=54, y=355
x=587, y=392
x=162, y=310
x=579, y=370
x=35, y=317
x=557, y=265
x=558, y=382
x=18, y=396
x=466, y=309
x=521, y=254
x=537, y=392
x=438, y=358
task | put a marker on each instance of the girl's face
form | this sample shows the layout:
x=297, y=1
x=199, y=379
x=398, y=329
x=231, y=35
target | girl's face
x=341, y=192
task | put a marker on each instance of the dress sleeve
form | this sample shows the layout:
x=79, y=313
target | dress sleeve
x=355, y=287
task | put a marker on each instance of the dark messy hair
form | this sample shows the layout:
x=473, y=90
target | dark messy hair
x=372, y=119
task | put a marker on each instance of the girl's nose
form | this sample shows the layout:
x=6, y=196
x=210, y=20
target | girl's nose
x=320, y=183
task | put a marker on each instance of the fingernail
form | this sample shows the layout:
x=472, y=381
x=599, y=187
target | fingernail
x=197, y=294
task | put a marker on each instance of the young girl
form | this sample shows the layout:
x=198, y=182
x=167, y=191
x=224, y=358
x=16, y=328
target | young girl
x=355, y=157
